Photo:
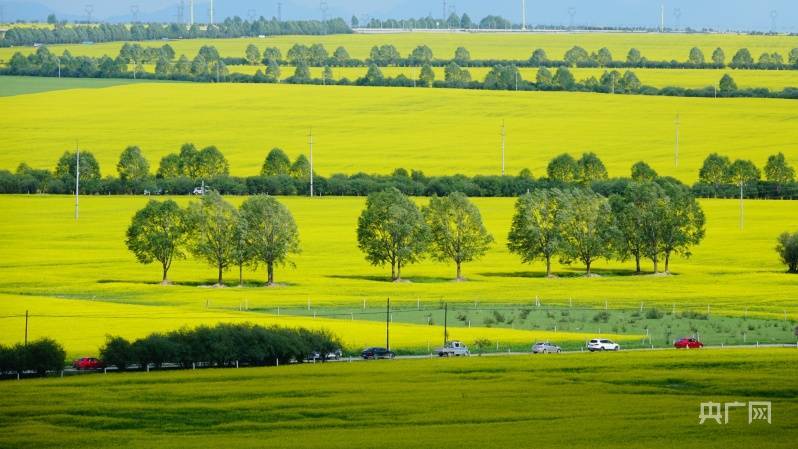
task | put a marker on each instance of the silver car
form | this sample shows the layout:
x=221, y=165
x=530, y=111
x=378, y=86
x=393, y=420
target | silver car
x=545, y=348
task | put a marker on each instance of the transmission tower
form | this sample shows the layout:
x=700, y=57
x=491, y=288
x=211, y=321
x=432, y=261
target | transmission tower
x=252, y=15
x=572, y=15
x=181, y=10
x=279, y=12
x=677, y=14
x=134, y=13
x=774, y=16
x=88, y=9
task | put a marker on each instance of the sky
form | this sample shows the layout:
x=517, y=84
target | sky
x=758, y=15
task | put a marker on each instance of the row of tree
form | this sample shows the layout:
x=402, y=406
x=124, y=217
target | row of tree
x=208, y=66
x=222, y=345
x=39, y=356
x=388, y=55
x=180, y=173
x=230, y=28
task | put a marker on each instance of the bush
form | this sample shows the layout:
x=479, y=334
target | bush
x=40, y=356
x=602, y=316
x=117, y=352
x=654, y=314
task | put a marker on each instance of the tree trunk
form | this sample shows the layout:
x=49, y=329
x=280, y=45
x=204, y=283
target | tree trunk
x=655, y=259
x=393, y=271
x=240, y=275
x=164, y=280
x=667, y=262
x=588, y=268
x=548, y=266
x=398, y=271
x=637, y=263
x=270, y=273
x=459, y=275
x=220, y=276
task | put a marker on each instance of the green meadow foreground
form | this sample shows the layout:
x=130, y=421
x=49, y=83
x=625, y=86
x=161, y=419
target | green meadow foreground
x=653, y=46
x=81, y=283
x=376, y=130
x=623, y=400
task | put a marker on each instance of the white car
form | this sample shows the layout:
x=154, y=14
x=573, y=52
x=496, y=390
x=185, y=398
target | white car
x=601, y=344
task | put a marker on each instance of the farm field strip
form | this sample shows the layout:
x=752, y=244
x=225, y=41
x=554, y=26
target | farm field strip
x=653, y=46
x=487, y=401
x=371, y=129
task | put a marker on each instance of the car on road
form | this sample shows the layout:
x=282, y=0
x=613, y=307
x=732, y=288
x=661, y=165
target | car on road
x=87, y=363
x=688, y=343
x=602, y=344
x=377, y=353
x=317, y=356
x=545, y=347
x=453, y=349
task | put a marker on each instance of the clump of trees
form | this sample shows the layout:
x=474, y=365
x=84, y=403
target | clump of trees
x=650, y=219
x=38, y=356
x=261, y=231
x=719, y=176
x=393, y=230
x=787, y=248
x=222, y=345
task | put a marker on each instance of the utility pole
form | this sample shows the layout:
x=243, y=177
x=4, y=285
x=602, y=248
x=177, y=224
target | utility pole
x=388, y=325
x=662, y=19
x=504, y=138
x=26, y=328
x=676, y=153
x=211, y=12
x=77, y=181
x=742, y=207
x=58, y=59
x=444, y=11
x=191, y=12
x=279, y=12
x=445, y=323
x=310, y=142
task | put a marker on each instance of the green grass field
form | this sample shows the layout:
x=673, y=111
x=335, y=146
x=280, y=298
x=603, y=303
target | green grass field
x=481, y=45
x=624, y=400
x=379, y=129
x=21, y=85
x=53, y=266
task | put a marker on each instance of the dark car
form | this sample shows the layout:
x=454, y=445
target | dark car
x=87, y=363
x=377, y=353
x=688, y=343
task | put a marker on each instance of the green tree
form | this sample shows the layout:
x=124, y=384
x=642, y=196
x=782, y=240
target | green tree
x=536, y=230
x=189, y=160
x=341, y=55
x=272, y=53
x=391, y=230
x=118, y=352
x=777, y=170
x=719, y=57
x=300, y=169
x=543, y=77
x=727, y=84
x=603, y=57
x=642, y=172
x=462, y=56
x=792, y=57
x=466, y=22
x=638, y=213
x=682, y=224
x=169, y=166
x=51, y=19
x=427, y=75
x=715, y=170
x=212, y=223
x=132, y=165
x=67, y=166
x=302, y=72
x=563, y=168
x=588, y=228
x=453, y=74
x=576, y=55
x=696, y=56
x=421, y=54
x=158, y=233
x=271, y=232
x=564, y=78
x=327, y=74
x=742, y=59
x=276, y=163
x=634, y=57
x=210, y=163
x=242, y=254
x=787, y=248
x=456, y=230
x=538, y=57
x=252, y=54
x=591, y=169
x=273, y=70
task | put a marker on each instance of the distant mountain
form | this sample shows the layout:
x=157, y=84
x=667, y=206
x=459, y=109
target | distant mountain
x=718, y=14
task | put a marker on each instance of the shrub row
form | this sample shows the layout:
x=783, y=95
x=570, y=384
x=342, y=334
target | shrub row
x=221, y=345
x=39, y=356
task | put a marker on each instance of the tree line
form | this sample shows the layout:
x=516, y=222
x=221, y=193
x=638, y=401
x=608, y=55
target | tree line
x=223, y=345
x=388, y=55
x=232, y=27
x=180, y=173
x=209, y=66
x=38, y=356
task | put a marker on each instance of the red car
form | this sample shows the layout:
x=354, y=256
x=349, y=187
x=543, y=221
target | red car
x=689, y=343
x=87, y=363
